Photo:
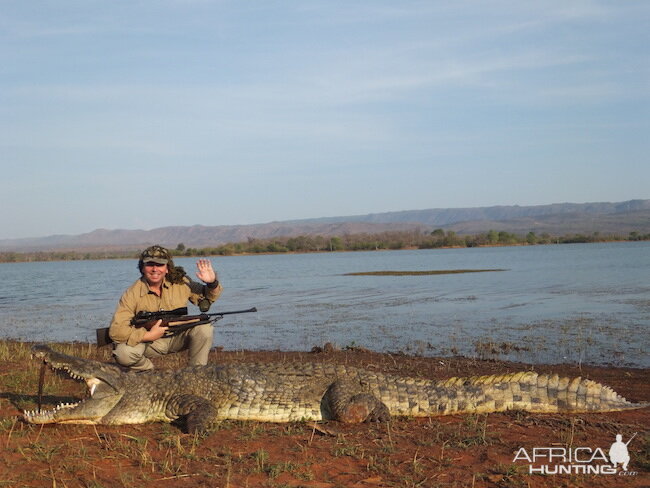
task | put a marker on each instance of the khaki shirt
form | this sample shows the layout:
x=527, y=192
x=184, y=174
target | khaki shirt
x=139, y=298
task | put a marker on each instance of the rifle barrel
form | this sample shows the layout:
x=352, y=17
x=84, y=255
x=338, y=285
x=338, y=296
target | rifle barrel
x=253, y=309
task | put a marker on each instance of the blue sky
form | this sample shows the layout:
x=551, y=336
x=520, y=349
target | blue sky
x=143, y=114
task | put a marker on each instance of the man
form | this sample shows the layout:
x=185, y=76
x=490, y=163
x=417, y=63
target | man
x=618, y=452
x=162, y=286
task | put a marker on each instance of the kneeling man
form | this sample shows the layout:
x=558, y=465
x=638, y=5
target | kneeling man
x=162, y=286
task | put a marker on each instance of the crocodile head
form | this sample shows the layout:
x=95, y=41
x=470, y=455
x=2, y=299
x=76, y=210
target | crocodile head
x=105, y=386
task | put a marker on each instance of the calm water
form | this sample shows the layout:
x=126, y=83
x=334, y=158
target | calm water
x=585, y=303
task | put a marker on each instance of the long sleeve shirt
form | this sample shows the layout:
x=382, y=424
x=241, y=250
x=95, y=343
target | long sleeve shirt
x=139, y=298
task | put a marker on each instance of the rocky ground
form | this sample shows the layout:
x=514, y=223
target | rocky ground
x=454, y=451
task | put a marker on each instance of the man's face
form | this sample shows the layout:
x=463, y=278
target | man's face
x=154, y=273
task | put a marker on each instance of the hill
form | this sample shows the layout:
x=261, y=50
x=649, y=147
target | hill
x=556, y=219
x=445, y=217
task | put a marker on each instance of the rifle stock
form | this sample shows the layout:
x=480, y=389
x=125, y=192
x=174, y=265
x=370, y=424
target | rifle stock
x=103, y=338
x=177, y=321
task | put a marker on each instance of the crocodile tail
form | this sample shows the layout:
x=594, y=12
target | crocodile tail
x=525, y=391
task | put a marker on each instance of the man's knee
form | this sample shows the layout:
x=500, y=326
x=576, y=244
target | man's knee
x=200, y=344
x=202, y=333
x=129, y=356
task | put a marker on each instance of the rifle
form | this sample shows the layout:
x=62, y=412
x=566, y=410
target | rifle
x=177, y=320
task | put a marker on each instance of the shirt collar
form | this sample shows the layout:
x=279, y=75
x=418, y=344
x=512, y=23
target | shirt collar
x=144, y=286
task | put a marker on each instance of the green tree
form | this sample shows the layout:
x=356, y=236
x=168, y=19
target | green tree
x=507, y=238
x=336, y=244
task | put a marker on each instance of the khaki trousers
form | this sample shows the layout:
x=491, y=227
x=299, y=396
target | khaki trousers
x=197, y=339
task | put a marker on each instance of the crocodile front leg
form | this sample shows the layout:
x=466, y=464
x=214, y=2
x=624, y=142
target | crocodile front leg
x=347, y=401
x=199, y=413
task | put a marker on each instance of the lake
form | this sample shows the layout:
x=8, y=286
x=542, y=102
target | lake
x=579, y=303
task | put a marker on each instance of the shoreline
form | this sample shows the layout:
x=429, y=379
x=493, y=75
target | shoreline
x=329, y=350
x=91, y=254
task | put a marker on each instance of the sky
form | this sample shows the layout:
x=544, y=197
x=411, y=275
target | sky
x=141, y=114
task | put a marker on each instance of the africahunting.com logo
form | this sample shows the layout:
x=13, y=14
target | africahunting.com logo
x=578, y=460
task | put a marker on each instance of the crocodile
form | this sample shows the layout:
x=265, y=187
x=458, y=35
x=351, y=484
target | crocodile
x=286, y=392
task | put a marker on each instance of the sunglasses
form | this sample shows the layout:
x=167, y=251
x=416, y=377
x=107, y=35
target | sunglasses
x=154, y=265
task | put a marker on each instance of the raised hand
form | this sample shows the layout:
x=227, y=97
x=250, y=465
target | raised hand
x=205, y=272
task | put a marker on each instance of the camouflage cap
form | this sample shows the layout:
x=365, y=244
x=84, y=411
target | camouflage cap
x=155, y=254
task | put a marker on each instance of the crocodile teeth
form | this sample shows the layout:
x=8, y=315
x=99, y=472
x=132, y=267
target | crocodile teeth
x=66, y=405
x=71, y=374
x=49, y=413
x=34, y=414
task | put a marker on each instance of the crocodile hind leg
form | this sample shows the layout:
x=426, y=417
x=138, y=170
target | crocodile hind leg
x=347, y=401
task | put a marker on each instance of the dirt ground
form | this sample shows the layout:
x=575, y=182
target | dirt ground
x=454, y=451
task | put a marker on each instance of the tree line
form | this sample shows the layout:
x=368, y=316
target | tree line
x=391, y=240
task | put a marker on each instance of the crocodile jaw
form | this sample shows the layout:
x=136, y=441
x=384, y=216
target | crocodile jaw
x=103, y=382
x=89, y=411
x=58, y=415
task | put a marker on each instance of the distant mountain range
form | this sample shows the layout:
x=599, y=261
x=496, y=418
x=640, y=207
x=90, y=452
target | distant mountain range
x=556, y=219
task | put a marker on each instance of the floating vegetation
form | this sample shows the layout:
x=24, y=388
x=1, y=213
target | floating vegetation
x=490, y=349
x=421, y=273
